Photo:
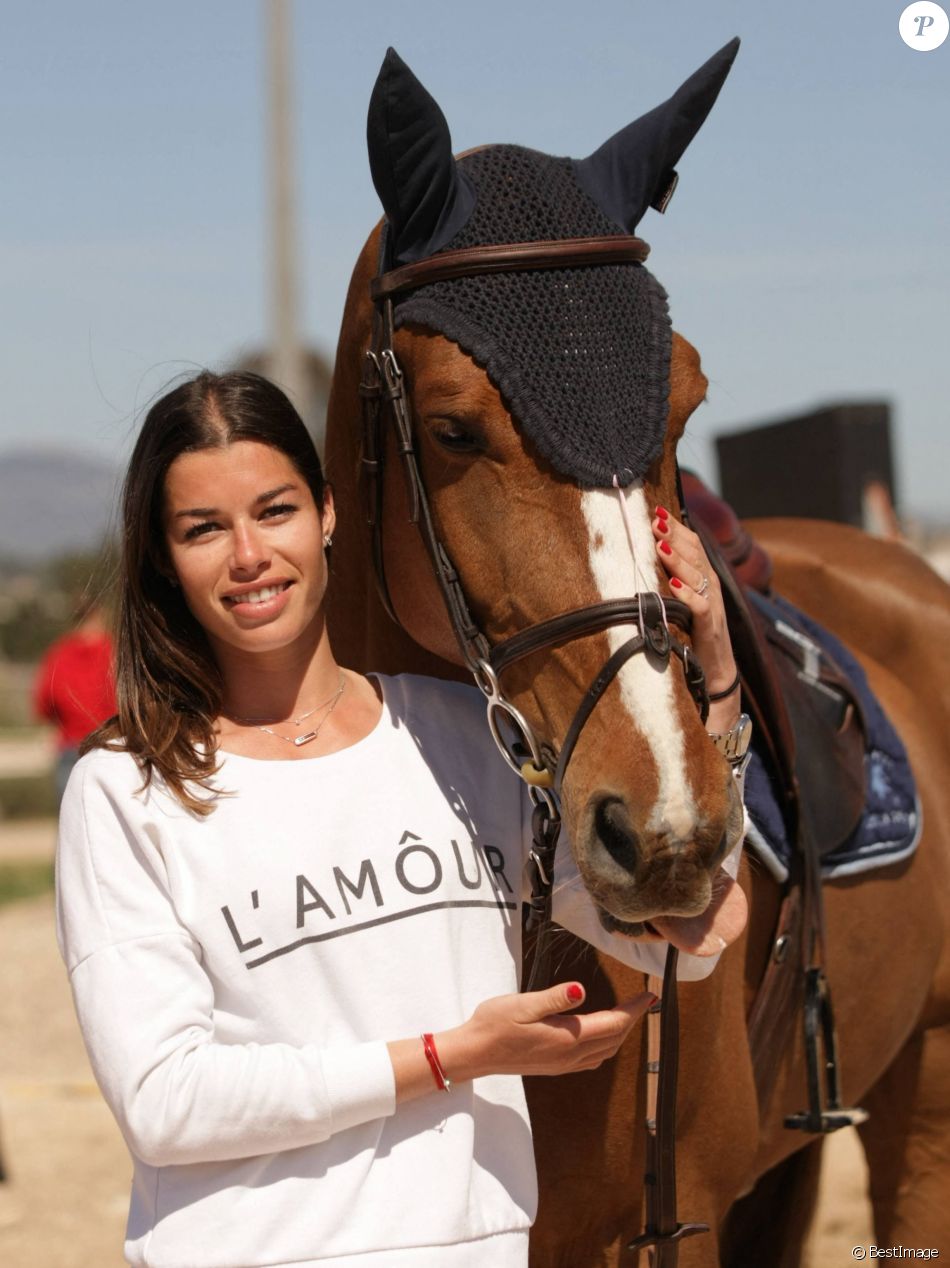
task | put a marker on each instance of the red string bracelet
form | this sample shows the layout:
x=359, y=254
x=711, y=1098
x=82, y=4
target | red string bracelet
x=442, y=1082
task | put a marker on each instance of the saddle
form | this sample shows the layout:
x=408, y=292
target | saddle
x=809, y=723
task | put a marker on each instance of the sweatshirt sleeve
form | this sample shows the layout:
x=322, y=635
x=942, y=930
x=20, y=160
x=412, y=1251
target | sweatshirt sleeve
x=145, y=1008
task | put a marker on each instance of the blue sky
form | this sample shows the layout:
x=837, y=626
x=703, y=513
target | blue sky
x=804, y=252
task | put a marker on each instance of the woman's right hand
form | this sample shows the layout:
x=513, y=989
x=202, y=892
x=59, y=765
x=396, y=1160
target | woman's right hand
x=529, y=1034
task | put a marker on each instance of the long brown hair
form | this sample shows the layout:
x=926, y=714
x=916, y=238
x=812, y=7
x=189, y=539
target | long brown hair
x=168, y=685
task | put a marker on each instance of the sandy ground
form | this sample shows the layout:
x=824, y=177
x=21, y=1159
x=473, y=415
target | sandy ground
x=64, y=1201
x=67, y=1171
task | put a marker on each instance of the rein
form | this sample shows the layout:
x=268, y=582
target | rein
x=382, y=386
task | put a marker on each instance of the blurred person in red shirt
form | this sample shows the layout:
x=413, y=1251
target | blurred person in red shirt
x=74, y=686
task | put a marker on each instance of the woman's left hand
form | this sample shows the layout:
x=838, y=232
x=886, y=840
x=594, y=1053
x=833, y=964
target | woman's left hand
x=694, y=581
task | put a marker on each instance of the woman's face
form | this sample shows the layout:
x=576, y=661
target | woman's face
x=245, y=540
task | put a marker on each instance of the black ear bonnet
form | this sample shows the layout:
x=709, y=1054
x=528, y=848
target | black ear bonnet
x=580, y=355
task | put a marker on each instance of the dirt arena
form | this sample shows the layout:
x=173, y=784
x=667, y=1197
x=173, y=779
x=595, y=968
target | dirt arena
x=64, y=1201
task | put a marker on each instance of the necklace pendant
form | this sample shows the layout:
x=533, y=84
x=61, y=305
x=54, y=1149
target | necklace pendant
x=306, y=738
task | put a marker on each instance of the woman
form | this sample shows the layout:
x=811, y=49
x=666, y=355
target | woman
x=275, y=875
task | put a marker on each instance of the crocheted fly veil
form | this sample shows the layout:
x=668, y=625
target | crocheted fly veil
x=580, y=355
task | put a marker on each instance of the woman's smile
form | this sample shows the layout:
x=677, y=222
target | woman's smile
x=266, y=599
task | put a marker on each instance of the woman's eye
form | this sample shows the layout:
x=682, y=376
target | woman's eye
x=279, y=508
x=199, y=530
x=456, y=437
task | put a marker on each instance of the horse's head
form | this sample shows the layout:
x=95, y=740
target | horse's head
x=546, y=406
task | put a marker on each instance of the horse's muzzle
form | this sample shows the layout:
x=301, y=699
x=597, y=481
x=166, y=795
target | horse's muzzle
x=637, y=872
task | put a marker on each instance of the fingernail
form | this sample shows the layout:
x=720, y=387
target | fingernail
x=655, y=1004
x=575, y=993
x=663, y=527
x=676, y=583
x=663, y=512
x=666, y=548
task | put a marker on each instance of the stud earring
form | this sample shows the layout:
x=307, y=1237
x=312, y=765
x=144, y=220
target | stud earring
x=327, y=540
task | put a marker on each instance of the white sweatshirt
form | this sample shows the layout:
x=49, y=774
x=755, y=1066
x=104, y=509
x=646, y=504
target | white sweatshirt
x=236, y=978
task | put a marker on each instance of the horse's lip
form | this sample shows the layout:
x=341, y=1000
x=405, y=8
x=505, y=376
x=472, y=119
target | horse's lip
x=707, y=933
x=630, y=928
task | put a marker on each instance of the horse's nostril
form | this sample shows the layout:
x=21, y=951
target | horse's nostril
x=615, y=833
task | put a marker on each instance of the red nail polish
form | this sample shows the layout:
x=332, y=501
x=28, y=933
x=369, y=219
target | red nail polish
x=574, y=993
x=666, y=548
x=663, y=527
x=662, y=512
x=676, y=583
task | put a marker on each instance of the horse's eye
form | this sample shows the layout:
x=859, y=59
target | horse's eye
x=456, y=437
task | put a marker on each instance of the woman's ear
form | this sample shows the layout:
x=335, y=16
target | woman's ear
x=328, y=514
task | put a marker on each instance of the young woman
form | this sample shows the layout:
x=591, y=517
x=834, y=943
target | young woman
x=289, y=896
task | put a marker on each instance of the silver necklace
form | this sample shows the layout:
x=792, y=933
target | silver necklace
x=297, y=740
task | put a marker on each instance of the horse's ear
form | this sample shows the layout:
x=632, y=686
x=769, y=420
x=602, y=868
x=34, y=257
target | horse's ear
x=426, y=198
x=634, y=170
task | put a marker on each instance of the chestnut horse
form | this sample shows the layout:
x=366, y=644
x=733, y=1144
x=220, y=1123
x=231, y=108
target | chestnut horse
x=530, y=543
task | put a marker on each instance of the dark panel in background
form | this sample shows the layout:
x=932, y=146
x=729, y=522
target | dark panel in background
x=816, y=466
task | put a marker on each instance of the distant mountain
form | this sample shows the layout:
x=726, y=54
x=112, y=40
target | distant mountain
x=53, y=501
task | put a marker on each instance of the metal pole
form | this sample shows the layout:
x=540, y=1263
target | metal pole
x=286, y=359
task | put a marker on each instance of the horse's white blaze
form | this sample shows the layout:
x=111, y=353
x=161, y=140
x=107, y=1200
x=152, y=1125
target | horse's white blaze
x=646, y=693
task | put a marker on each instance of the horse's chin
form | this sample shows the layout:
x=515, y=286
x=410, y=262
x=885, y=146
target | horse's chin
x=706, y=933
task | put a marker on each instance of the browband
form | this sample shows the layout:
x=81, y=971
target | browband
x=561, y=253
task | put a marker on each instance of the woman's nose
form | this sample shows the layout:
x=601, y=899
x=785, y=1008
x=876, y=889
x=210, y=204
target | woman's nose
x=249, y=549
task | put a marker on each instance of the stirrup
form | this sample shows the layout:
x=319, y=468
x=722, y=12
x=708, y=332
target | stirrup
x=820, y=1030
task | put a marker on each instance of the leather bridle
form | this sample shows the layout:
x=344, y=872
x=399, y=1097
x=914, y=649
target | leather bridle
x=383, y=385
x=383, y=389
